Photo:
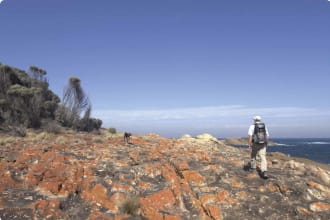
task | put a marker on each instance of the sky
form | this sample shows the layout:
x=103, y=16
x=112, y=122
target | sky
x=179, y=67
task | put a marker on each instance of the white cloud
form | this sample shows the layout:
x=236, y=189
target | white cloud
x=215, y=112
x=1, y=1
x=230, y=120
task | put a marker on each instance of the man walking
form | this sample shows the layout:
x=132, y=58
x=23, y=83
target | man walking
x=258, y=138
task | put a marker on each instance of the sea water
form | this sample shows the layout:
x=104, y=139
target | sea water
x=317, y=149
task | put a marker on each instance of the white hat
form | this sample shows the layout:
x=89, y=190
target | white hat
x=257, y=118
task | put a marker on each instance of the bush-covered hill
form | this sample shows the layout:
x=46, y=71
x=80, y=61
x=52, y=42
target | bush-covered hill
x=27, y=102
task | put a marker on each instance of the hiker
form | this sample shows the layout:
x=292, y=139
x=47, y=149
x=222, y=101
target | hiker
x=258, y=137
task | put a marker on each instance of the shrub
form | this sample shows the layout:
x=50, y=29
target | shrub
x=19, y=131
x=112, y=130
x=130, y=206
x=53, y=127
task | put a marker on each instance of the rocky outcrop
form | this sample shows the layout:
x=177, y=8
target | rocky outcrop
x=86, y=176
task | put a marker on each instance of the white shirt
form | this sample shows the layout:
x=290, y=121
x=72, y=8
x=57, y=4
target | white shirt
x=251, y=130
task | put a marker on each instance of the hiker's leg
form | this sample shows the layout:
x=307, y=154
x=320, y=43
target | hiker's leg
x=253, y=161
x=262, y=154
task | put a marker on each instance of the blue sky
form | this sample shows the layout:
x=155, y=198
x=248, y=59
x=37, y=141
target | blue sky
x=182, y=66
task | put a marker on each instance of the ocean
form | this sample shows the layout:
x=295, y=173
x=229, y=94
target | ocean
x=316, y=149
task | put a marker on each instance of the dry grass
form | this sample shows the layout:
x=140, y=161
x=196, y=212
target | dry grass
x=8, y=140
x=130, y=206
x=61, y=140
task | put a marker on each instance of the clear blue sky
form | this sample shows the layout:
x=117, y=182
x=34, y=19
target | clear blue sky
x=182, y=66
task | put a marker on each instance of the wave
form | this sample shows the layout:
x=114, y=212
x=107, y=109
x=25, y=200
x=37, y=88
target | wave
x=317, y=142
x=283, y=145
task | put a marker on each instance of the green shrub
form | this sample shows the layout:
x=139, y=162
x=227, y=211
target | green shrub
x=112, y=130
x=53, y=127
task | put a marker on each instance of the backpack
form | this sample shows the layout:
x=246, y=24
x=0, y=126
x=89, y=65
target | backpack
x=259, y=134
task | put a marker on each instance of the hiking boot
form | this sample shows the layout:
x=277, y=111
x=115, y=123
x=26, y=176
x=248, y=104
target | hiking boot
x=264, y=175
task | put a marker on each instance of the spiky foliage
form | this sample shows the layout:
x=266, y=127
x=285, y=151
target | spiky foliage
x=76, y=108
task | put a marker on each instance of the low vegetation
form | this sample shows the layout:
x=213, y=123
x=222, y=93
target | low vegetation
x=27, y=102
x=131, y=206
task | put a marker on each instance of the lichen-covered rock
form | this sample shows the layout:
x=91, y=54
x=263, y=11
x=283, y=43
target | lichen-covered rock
x=89, y=176
x=206, y=137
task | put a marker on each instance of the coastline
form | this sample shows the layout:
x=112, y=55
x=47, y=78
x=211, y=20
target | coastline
x=314, y=149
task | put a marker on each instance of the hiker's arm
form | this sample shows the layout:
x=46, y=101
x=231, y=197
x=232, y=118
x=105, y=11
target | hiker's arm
x=250, y=140
x=250, y=134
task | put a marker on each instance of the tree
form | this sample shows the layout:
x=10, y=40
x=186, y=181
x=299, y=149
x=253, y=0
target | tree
x=75, y=103
x=38, y=73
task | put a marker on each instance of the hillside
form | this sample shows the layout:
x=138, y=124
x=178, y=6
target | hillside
x=27, y=102
x=90, y=176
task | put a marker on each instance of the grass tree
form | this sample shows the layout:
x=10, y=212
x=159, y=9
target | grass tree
x=75, y=104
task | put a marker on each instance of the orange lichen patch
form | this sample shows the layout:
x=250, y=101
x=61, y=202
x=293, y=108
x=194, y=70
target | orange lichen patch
x=155, y=155
x=320, y=187
x=236, y=163
x=117, y=200
x=162, y=200
x=6, y=180
x=134, y=155
x=312, y=184
x=214, y=211
x=223, y=196
x=99, y=191
x=159, y=200
x=100, y=216
x=242, y=195
x=48, y=208
x=121, y=217
x=169, y=174
x=205, y=158
x=252, y=175
x=153, y=170
x=303, y=211
x=117, y=187
x=320, y=207
x=193, y=177
x=236, y=184
x=122, y=163
x=182, y=165
x=213, y=167
x=283, y=189
x=272, y=187
x=145, y=185
x=50, y=187
x=207, y=198
x=172, y=217
x=99, y=195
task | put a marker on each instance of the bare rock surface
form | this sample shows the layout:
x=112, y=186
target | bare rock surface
x=89, y=176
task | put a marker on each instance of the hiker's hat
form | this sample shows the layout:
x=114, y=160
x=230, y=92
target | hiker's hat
x=257, y=118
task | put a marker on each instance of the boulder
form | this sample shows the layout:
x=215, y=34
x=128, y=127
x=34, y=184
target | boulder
x=206, y=137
